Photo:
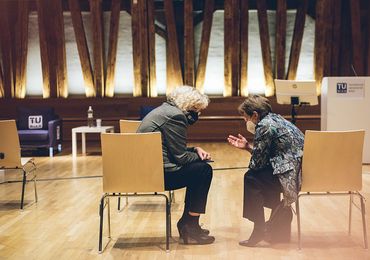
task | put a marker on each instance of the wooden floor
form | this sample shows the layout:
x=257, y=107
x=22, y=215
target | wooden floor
x=64, y=223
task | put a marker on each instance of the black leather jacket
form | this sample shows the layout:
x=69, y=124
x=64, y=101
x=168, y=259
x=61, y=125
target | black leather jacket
x=172, y=123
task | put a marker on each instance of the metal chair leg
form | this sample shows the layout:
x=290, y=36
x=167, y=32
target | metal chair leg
x=108, y=217
x=23, y=187
x=168, y=210
x=101, y=214
x=298, y=223
x=350, y=212
x=35, y=186
x=364, y=221
x=119, y=204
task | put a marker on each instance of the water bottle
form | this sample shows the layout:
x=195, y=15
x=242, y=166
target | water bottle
x=90, y=117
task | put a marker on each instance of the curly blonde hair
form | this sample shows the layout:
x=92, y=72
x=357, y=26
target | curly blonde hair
x=188, y=98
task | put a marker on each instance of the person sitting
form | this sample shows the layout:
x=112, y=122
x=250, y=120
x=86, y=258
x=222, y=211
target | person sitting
x=275, y=164
x=183, y=166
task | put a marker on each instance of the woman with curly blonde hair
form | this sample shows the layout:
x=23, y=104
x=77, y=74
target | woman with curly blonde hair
x=183, y=166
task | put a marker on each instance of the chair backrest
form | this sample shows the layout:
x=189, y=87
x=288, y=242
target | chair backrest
x=332, y=161
x=34, y=118
x=9, y=145
x=132, y=162
x=128, y=126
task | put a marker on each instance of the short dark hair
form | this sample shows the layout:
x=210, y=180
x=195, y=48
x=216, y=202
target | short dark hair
x=255, y=103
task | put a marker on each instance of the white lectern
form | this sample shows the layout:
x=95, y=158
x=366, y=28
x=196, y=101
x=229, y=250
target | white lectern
x=345, y=105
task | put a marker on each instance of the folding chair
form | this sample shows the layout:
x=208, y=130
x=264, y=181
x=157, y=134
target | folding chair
x=332, y=165
x=132, y=164
x=10, y=158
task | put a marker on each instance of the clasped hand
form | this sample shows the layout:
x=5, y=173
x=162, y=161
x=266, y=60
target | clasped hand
x=203, y=155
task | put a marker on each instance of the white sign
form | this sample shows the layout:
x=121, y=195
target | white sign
x=35, y=122
x=354, y=88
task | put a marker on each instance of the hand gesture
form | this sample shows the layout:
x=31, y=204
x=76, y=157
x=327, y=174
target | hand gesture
x=203, y=155
x=239, y=142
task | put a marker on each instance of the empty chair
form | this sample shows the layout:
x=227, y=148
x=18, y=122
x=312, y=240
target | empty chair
x=10, y=152
x=332, y=165
x=133, y=164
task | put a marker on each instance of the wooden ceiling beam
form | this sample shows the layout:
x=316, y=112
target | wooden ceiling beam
x=112, y=47
x=204, y=44
x=98, y=43
x=6, y=49
x=189, y=59
x=82, y=47
x=174, y=76
x=244, y=23
x=280, y=39
x=295, y=49
x=265, y=46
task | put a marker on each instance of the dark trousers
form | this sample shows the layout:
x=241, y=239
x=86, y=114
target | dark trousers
x=261, y=189
x=196, y=177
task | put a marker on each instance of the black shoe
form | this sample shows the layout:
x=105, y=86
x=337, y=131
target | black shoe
x=256, y=237
x=201, y=230
x=193, y=235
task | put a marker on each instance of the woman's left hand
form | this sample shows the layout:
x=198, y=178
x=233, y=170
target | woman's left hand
x=203, y=155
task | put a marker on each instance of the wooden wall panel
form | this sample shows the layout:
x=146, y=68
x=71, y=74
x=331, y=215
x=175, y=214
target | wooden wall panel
x=368, y=41
x=189, y=60
x=280, y=39
x=21, y=48
x=112, y=47
x=174, y=75
x=357, y=59
x=98, y=43
x=6, y=49
x=83, y=50
x=295, y=49
x=265, y=46
x=204, y=44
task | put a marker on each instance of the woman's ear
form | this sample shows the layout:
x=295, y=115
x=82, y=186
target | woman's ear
x=255, y=116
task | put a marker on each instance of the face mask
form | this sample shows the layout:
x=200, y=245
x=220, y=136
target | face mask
x=251, y=127
x=192, y=117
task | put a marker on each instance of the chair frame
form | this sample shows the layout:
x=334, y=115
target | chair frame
x=104, y=202
x=25, y=173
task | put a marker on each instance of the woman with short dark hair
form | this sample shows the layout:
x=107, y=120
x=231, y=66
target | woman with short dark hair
x=274, y=166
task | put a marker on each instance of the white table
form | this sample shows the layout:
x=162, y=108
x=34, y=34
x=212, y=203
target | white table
x=83, y=130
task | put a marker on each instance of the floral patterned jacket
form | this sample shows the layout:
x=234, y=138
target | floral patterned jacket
x=279, y=143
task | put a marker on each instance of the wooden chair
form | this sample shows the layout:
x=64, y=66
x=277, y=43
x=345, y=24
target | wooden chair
x=131, y=126
x=332, y=165
x=132, y=164
x=10, y=158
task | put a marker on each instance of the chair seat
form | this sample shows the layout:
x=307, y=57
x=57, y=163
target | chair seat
x=33, y=135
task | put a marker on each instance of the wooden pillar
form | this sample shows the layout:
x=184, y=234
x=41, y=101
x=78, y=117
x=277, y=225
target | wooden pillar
x=244, y=17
